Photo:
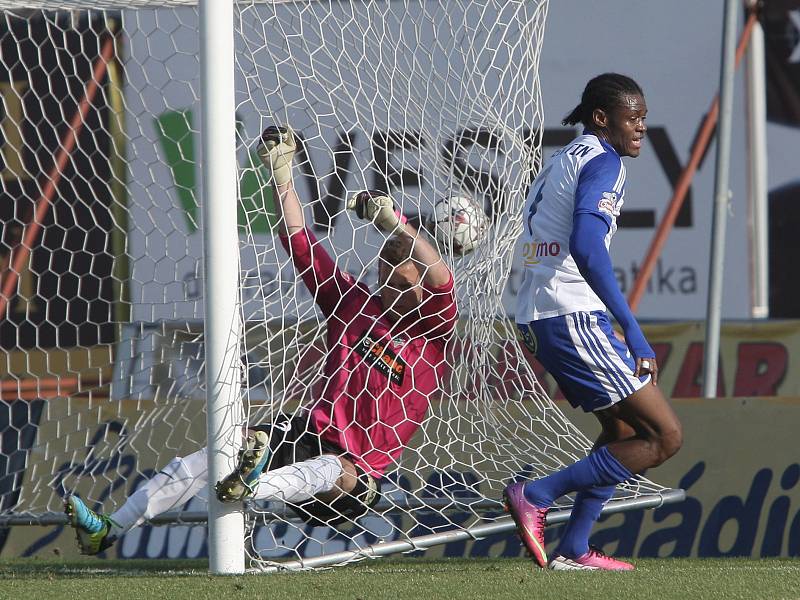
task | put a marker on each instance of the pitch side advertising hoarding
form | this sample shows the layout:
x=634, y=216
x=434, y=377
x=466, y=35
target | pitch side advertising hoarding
x=739, y=502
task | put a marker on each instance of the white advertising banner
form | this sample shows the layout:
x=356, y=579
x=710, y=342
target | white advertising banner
x=674, y=58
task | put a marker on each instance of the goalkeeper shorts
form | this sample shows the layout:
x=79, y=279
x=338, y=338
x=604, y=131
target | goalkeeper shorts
x=293, y=439
x=591, y=366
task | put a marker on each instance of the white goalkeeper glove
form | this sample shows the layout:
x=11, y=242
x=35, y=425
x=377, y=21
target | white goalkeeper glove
x=276, y=150
x=378, y=207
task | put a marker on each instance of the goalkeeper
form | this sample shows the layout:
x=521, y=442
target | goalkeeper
x=384, y=362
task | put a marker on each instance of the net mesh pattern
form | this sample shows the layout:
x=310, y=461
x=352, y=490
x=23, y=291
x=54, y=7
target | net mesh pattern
x=102, y=322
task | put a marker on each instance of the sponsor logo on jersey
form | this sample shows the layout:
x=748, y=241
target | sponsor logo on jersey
x=608, y=204
x=378, y=355
x=399, y=341
x=533, y=251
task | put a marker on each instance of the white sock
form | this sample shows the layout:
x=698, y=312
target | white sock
x=170, y=488
x=300, y=481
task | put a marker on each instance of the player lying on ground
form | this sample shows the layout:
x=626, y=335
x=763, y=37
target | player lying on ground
x=385, y=359
x=569, y=219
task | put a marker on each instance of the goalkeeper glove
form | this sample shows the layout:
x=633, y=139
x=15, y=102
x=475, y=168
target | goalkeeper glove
x=378, y=207
x=276, y=150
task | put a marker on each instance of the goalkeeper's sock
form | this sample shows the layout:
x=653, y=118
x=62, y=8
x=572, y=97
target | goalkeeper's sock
x=171, y=487
x=299, y=481
x=588, y=506
x=600, y=468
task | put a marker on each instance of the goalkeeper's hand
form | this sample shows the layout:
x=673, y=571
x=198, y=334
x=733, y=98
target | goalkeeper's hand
x=377, y=207
x=276, y=150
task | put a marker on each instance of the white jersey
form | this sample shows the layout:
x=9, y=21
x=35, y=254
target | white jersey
x=585, y=176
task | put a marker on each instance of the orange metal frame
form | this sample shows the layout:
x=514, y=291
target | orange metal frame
x=20, y=253
x=682, y=185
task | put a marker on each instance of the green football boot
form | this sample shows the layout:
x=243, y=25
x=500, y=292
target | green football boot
x=91, y=529
x=253, y=457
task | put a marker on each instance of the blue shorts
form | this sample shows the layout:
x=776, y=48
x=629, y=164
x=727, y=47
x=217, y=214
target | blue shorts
x=591, y=366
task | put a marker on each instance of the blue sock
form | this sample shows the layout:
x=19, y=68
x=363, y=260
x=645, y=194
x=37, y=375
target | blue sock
x=588, y=505
x=599, y=469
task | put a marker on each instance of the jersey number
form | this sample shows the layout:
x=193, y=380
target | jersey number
x=536, y=200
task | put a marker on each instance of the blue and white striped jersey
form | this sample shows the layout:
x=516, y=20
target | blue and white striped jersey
x=585, y=176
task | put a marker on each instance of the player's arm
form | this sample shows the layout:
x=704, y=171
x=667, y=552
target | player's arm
x=290, y=211
x=439, y=310
x=588, y=248
x=276, y=152
x=316, y=268
x=379, y=208
x=594, y=198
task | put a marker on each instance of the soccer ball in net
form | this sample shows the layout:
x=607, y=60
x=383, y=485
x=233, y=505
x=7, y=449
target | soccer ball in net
x=459, y=223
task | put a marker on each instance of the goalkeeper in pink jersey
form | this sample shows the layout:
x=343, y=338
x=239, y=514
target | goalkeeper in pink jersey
x=384, y=362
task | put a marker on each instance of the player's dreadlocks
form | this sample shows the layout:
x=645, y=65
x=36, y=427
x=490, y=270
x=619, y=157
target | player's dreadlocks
x=604, y=92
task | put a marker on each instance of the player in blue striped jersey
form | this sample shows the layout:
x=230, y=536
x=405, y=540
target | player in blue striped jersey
x=570, y=217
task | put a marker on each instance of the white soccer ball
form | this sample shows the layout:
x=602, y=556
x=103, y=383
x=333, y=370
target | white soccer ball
x=459, y=223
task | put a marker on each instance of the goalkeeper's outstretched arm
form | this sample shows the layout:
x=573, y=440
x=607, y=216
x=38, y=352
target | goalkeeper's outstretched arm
x=276, y=151
x=313, y=264
x=379, y=208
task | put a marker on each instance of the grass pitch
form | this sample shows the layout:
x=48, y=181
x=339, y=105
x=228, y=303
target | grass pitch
x=401, y=579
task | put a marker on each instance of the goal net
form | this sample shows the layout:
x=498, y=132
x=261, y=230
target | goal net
x=101, y=312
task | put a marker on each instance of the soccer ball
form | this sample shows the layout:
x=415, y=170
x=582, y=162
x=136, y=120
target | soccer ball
x=459, y=223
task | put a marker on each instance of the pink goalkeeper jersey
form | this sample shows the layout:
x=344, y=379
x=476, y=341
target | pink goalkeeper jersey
x=379, y=376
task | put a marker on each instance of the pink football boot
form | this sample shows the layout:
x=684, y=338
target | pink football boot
x=530, y=520
x=594, y=560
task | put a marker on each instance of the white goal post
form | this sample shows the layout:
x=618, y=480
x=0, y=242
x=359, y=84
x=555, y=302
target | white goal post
x=142, y=275
x=223, y=324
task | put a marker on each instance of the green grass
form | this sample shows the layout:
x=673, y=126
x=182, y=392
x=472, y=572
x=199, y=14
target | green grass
x=401, y=579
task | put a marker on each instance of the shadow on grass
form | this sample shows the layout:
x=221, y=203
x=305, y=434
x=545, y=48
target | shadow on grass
x=36, y=568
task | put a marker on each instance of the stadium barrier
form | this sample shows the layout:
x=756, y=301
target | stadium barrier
x=738, y=466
